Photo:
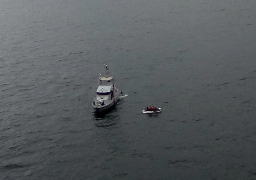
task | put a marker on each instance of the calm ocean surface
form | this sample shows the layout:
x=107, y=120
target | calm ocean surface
x=196, y=59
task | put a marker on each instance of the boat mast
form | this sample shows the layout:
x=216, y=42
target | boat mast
x=106, y=66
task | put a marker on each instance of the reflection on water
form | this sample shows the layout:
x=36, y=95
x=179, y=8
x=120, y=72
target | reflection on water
x=107, y=119
x=153, y=115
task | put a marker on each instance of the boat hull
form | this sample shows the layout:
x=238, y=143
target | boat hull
x=103, y=108
x=100, y=109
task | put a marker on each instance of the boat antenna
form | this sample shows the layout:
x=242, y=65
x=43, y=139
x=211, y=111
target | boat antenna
x=106, y=66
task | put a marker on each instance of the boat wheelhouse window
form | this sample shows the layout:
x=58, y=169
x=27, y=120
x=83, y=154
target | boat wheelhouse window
x=105, y=82
x=103, y=93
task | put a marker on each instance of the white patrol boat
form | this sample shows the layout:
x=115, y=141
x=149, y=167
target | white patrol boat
x=107, y=95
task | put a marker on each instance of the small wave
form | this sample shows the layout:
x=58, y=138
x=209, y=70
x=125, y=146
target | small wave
x=105, y=124
x=13, y=166
x=179, y=161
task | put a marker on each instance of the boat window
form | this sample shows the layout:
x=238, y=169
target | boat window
x=104, y=82
x=103, y=93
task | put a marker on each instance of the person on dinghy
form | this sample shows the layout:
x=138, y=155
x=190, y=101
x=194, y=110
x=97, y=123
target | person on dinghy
x=152, y=108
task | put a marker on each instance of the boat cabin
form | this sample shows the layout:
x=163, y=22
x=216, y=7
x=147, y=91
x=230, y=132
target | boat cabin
x=104, y=90
x=107, y=81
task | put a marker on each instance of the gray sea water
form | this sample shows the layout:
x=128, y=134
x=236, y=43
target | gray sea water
x=193, y=58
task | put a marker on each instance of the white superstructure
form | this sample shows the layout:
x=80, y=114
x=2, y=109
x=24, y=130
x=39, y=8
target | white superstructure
x=107, y=94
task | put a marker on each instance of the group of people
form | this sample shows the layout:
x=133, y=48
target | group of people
x=151, y=108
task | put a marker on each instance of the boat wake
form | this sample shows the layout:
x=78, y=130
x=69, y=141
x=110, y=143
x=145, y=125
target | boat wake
x=123, y=96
